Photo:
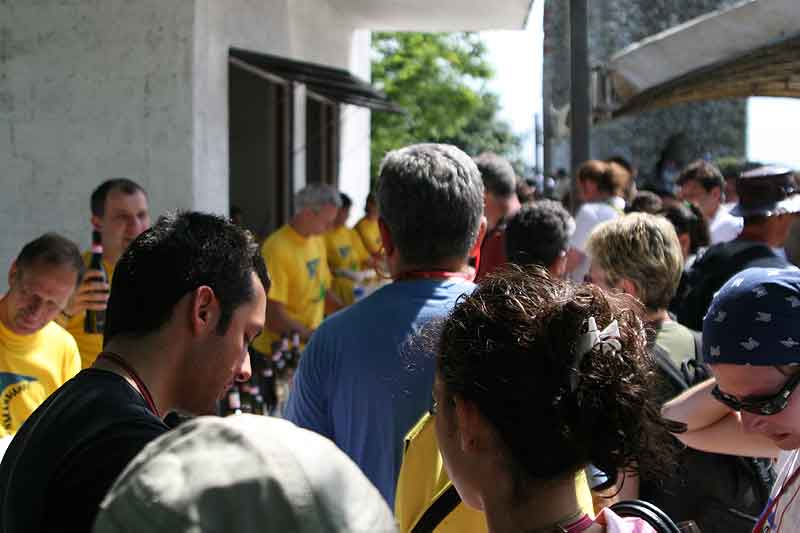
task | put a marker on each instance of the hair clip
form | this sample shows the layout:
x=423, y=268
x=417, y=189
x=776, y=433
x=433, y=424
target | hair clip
x=608, y=339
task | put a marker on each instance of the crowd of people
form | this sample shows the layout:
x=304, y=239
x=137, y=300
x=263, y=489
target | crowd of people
x=474, y=359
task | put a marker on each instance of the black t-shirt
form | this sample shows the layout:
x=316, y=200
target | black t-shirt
x=710, y=272
x=65, y=457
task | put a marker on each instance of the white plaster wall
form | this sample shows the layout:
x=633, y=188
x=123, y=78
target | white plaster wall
x=354, y=178
x=90, y=90
x=306, y=30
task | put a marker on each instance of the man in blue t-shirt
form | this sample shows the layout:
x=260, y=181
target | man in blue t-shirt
x=362, y=381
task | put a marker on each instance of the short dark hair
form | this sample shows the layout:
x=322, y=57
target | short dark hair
x=538, y=234
x=510, y=347
x=53, y=250
x=99, y=195
x=431, y=198
x=688, y=219
x=704, y=173
x=497, y=174
x=181, y=252
x=346, y=201
x=645, y=202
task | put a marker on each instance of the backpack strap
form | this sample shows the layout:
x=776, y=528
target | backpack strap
x=647, y=512
x=438, y=510
x=668, y=367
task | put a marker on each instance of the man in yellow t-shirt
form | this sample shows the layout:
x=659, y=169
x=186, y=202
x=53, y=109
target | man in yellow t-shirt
x=347, y=256
x=367, y=228
x=423, y=482
x=298, y=266
x=120, y=213
x=36, y=355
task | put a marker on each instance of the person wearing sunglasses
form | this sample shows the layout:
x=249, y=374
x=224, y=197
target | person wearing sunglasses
x=752, y=344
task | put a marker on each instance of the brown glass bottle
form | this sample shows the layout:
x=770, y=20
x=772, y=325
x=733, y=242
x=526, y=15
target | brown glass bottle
x=95, y=321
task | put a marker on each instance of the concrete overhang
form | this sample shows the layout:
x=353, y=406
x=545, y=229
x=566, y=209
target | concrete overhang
x=436, y=16
x=749, y=49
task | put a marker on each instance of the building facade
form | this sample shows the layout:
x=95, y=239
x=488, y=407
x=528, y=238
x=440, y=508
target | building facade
x=680, y=133
x=155, y=91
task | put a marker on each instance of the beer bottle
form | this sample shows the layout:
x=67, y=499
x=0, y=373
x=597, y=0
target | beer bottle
x=246, y=397
x=95, y=321
x=295, y=360
x=234, y=401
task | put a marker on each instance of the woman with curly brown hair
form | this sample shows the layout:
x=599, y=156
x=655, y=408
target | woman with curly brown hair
x=536, y=379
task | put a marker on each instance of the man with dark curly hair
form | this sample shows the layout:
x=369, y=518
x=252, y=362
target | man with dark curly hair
x=539, y=235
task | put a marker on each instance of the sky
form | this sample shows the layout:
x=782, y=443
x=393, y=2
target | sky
x=517, y=59
x=773, y=130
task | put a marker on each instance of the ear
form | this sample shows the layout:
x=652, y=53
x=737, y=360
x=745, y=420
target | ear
x=559, y=267
x=204, y=310
x=686, y=242
x=12, y=272
x=476, y=246
x=386, y=237
x=97, y=222
x=628, y=287
x=471, y=425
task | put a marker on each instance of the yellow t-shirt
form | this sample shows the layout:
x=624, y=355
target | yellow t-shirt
x=345, y=251
x=423, y=479
x=370, y=234
x=32, y=367
x=89, y=344
x=298, y=269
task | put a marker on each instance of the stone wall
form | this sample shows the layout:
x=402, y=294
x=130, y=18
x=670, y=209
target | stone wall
x=708, y=128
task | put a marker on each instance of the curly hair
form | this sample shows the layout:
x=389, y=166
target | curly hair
x=509, y=347
x=539, y=233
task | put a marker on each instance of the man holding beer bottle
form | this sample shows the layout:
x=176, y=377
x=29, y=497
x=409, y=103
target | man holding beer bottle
x=119, y=214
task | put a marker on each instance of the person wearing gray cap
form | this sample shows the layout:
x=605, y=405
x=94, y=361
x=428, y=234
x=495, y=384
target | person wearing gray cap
x=768, y=201
x=749, y=408
x=243, y=474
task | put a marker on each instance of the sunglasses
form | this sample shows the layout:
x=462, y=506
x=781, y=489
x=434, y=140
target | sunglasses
x=759, y=405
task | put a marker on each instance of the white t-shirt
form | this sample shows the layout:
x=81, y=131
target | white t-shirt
x=589, y=215
x=785, y=517
x=724, y=227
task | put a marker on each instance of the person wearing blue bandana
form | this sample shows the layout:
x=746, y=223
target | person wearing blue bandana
x=752, y=344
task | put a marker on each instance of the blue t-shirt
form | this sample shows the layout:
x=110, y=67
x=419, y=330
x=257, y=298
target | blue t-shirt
x=363, y=383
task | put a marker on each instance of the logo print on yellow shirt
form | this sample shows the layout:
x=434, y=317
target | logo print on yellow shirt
x=11, y=385
x=312, y=268
x=344, y=251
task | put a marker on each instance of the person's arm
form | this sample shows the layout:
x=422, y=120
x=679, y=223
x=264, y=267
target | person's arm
x=307, y=406
x=332, y=303
x=279, y=321
x=712, y=427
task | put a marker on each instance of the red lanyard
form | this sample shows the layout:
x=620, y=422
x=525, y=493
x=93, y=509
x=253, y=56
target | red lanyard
x=432, y=274
x=765, y=515
x=581, y=524
x=120, y=362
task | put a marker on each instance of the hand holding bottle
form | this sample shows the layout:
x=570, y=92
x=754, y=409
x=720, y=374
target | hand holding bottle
x=91, y=294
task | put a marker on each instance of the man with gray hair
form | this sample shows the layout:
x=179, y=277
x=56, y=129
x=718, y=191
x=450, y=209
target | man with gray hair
x=297, y=263
x=360, y=382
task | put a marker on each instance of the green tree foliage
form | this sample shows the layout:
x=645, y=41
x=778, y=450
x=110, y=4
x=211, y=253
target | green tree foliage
x=439, y=79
